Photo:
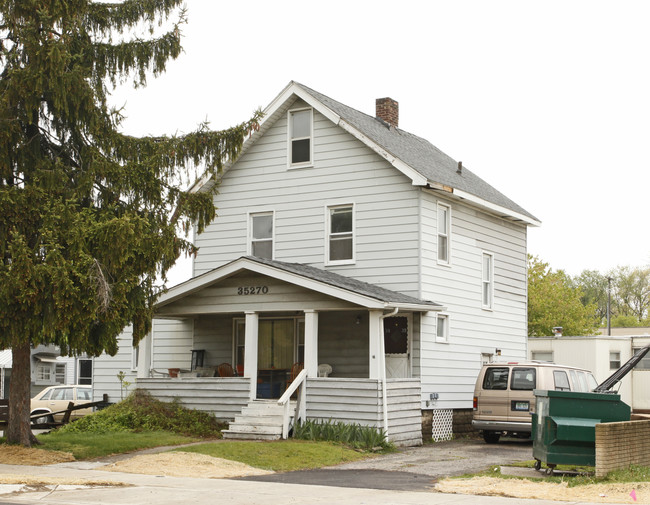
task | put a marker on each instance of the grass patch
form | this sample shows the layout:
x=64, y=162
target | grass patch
x=97, y=445
x=586, y=475
x=280, y=456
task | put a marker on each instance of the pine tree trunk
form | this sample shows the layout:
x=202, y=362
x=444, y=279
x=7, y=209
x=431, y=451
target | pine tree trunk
x=18, y=426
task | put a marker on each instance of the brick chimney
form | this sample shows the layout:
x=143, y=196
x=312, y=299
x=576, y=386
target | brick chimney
x=387, y=109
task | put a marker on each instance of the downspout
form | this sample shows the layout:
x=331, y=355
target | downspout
x=382, y=368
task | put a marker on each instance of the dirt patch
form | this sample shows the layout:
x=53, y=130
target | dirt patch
x=184, y=464
x=512, y=488
x=19, y=455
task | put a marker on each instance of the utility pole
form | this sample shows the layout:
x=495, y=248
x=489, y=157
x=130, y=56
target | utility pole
x=609, y=304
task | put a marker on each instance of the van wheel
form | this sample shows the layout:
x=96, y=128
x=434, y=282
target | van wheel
x=491, y=437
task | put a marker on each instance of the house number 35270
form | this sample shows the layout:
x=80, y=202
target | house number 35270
x=252, y=290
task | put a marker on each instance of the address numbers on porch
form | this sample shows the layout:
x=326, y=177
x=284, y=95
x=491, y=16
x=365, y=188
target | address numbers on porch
x=252, y=290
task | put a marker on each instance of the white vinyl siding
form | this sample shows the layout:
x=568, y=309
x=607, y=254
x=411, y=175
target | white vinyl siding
x=450, y=369
x=488, y=284
x=386, y=245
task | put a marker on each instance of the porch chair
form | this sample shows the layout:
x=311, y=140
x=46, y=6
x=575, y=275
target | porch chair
x=324, y=370
x=296, y=368
x=225, y=370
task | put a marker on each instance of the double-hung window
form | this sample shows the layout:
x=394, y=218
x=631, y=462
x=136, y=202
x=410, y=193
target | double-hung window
x=340, y=236
x=300, y=137
x=444, y=229
x=261, y=235
x=488, y=283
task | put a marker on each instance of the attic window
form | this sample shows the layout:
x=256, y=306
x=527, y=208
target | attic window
x=300, y=137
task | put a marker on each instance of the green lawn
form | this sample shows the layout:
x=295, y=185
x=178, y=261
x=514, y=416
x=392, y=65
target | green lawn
x=97, y=445
x=281, y=456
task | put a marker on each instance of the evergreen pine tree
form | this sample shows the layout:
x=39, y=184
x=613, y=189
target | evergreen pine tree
x=89, y=216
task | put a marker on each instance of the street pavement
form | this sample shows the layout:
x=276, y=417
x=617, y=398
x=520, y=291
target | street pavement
x=405, y=477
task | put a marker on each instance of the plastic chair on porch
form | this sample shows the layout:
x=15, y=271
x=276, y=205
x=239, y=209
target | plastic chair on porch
x=225, y=370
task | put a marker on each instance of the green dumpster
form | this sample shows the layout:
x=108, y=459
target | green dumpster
x=564, y=425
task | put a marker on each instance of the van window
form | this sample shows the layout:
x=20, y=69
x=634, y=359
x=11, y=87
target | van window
x=561, y=381
x=523, y=379
x=592, y=383
x=496, y=378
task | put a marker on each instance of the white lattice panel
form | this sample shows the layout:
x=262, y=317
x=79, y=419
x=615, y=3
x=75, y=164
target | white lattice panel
x=442, y=427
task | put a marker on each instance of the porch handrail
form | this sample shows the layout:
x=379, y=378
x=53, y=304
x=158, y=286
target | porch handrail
x=284, y=401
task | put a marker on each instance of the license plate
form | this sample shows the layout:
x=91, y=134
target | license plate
x=522, y=406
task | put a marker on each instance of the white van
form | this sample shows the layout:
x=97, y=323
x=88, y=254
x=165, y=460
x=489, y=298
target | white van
x=503, y=395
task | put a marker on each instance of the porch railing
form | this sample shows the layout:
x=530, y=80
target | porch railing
x=299, y=413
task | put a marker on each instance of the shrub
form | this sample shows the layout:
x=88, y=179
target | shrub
x=141, y=412
x=354, y=435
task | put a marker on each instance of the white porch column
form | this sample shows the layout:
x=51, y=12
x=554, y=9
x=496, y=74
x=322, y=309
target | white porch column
x=374, y=350
x=250, y=351
x=311, y=343
x=144, y=365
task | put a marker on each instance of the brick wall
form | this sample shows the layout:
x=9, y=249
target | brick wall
x=619, y=445
x=463, y=423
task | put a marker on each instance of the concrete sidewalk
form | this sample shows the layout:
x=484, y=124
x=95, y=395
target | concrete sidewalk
x=159, y=490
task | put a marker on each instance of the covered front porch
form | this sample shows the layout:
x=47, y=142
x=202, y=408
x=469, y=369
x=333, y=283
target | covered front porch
x=354, y=343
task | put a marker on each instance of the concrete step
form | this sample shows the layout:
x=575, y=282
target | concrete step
x=258, y=420
x=249, y=428
x=228, y=435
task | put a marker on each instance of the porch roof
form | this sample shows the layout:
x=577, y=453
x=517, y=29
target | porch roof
x=329, y=283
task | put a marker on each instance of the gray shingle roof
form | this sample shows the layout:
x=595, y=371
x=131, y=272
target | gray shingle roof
x=347, y=283
x=419, y=154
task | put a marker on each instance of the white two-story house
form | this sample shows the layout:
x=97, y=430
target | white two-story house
x=346, y=246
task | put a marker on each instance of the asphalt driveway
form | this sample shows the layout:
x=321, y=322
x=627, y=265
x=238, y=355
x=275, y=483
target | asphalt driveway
x=413, y=468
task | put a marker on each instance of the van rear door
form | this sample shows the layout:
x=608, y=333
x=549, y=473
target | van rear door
x=522, y=382
x=493, y=391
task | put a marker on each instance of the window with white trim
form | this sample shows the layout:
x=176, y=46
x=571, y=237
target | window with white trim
x=444, y=230
x=59, y=373
x=442, y=328
x=43, y=372
x=488, y=284
x=300, y=137
x=614, y=360
x=261, y=235
x=340, y=234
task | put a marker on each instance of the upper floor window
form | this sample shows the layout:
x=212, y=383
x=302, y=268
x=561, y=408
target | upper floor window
x=614, y=360
x=488, y=284
x=261, y=235
x=444, y=228
x=300, y=137
x=340, y=238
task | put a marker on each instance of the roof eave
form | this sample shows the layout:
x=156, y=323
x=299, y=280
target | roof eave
x=196, y=284
x=493, y=208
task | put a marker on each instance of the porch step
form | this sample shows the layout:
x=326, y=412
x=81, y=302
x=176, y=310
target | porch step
x=259, y=420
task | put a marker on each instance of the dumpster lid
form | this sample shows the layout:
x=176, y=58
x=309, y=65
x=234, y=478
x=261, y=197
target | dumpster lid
x=575, y=421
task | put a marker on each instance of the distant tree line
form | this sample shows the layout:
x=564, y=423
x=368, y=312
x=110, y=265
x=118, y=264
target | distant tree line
x=579, y=304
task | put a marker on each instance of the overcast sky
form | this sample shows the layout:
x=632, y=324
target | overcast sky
x=549, y=101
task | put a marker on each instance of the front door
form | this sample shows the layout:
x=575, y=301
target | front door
x=276, y=347
x=396, y=346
